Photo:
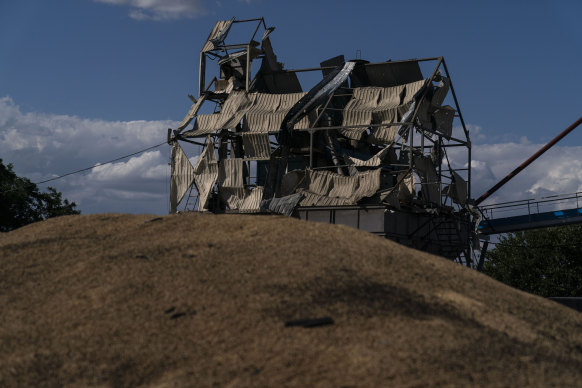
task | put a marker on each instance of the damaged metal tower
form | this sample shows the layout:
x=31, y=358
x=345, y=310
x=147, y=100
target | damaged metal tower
x=366, y=146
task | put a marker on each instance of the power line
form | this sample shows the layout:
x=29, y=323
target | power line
x=92, y=167
x=100, y=164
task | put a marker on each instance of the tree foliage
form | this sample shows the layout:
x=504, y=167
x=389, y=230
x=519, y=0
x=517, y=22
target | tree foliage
x=545, y=262
x=22, y=203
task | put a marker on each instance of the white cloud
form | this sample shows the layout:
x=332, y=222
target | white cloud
x=160, y=10
x=42, y=146
x=558, y=171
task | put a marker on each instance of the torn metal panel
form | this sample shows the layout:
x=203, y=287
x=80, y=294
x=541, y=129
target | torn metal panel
x=251, y=203
x=406, y=187
x=373, y=105
x=232, y=196
x=390, y=198
x=206, y=173
x=440, y=92
x=182, y=176
x=443, y=119
x=230, y=173
x=191, y=113
x=283, y=205
x=292, y=181
x=256, y=146
x=279, y=82
x=231, y=114
x=217, y=35
x=318, y=94
x=383, y=135
x=429, y=179
x=385, y=74
x=458, y=189
x=374, y=161
x=267, y=112
x=204, y=125
x=350, y=189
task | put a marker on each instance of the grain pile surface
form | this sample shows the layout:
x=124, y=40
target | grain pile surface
x=200, y=300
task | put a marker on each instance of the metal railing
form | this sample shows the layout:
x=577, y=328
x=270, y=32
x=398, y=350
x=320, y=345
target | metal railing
x=533, y=206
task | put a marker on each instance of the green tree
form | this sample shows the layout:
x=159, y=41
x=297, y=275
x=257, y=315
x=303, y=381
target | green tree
x=545, y=262
x=22, y=203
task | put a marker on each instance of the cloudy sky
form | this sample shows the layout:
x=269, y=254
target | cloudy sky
x=87, y=81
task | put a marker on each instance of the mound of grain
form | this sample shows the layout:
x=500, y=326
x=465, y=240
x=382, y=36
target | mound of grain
x=202, y=300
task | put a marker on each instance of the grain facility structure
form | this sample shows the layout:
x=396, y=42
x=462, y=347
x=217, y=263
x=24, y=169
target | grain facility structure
x=366, y=144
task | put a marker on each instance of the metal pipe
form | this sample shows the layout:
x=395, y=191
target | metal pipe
x=509, y=176
x=248, y=75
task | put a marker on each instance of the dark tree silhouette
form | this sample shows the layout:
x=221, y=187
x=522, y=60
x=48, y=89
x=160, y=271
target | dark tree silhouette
x=22, y=203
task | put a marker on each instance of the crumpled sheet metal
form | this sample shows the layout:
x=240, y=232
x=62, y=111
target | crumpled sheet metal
x=292, y=181
x=182, y=176
x=206, y=173
x=329, y=188
x=268, y=111
x=191, y=113
x=217, y=35
x=406, y=186
x=443, y=118
x=428, y=178
x=230, y=173
x=375, y=105
x=374, y=161
x=283, y=205
x=433, y=115
x=458, y=189
x=242, y=199
x=258, y=113
x=229, y=117
x=256, y=146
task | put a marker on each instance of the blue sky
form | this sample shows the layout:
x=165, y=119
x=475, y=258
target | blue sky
x=85, y=81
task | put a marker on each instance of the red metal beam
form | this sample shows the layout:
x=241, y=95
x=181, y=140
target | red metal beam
x=509, y=176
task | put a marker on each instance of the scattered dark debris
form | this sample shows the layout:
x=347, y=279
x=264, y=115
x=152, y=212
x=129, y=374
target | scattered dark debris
x=310, y=322
x=143, y=257
x=178, y=314
x=210, y=245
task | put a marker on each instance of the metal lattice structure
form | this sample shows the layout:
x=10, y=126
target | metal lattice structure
x=366, y=146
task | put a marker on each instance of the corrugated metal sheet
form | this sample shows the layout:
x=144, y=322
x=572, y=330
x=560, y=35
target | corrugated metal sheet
x=230, y=173
x=204, y=125
x=217, y=35
x=350, y=189
x=268, y=111
x=182, y=176
x=374, y=105
x=256, y=146
x=232, y=196
x=374, y=161
x=192, y=112
x=206, y=173
x=252, y=200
